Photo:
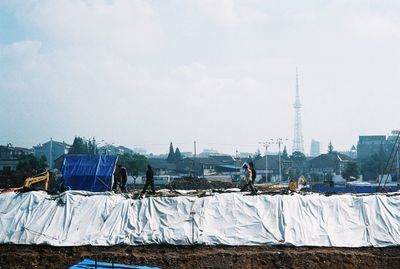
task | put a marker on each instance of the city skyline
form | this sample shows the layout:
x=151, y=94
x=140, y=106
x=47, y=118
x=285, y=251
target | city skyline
x=145, y=73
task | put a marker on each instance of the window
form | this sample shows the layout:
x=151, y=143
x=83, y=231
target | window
x=7, y=168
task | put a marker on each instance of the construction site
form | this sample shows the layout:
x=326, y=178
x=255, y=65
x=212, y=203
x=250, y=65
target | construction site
x=192, y=223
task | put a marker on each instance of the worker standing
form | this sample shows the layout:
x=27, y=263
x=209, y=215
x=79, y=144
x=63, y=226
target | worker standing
x=124, y=178
x=149, y=180
x=253, y=175
x=248, y=179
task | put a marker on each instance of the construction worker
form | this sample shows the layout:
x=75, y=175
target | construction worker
x=149, y=180
x=253, y=175
x=248, y=179
x=124, y=178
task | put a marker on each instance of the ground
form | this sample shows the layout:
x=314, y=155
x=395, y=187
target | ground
x=24, y=256
x=40, y=256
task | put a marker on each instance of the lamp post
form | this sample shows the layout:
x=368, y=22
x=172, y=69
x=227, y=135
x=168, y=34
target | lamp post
x=280, y=141
x=266, y=145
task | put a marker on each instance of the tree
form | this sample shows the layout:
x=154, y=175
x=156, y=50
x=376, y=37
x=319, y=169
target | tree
x=352, y=171
x=79, y=146
x=83, y=146
x=29, y=164
x=178, y=155
x=298, y=156
x=134, y=163
x=257, y=155
x=330, y=147
x=92, y=148
x=298, y=164
x=171, y=154
x=285, y=155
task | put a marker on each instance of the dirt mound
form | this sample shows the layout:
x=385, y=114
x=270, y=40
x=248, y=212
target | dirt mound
x=193, y=257
x=191, y=183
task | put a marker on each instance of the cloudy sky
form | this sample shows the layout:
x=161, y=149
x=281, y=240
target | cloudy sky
x=143, y=73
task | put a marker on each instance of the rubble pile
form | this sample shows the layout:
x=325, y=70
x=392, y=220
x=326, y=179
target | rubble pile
x=194, y=183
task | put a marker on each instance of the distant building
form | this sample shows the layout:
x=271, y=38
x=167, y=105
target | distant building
x=370, y=144
x=186, y=154
x=333, y=163
x=141, y=151
x=10, y=155
x=206, y=166
x=114, y=150
x=273, y=168
x=315, y=148
x=207, y=152
x=245, y=155
x=391, y=146
x=162, y=166
x=352, y=153
x=51, y=150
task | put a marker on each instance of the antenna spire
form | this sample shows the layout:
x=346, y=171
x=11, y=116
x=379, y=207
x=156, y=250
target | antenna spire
x=298, y=142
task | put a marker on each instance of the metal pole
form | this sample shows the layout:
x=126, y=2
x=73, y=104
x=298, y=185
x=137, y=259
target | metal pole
x=280, y=166
x=266, y=162
x=194, y=160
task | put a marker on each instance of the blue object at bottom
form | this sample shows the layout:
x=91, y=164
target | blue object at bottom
x=87, y=263
x=351, y=189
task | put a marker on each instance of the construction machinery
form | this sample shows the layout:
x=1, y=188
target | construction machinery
x=45, y=176
x=42, y=177
x=297, y=186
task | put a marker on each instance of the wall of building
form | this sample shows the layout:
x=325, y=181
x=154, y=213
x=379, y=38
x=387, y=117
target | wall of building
x=51, y=150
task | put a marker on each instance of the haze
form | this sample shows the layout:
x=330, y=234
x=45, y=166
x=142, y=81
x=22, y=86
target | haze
x=144, y=73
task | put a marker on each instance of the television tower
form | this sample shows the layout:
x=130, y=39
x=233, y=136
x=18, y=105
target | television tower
x=298, y=143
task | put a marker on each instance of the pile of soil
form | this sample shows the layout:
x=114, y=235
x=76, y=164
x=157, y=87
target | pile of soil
x=194, y=183
x=11, y=180
x=193, y=257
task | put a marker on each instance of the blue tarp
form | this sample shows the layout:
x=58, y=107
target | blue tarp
x=90, y=264
x=89, y=172
x=352, y=189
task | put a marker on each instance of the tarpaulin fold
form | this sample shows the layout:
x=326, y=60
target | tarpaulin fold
x=84, y=218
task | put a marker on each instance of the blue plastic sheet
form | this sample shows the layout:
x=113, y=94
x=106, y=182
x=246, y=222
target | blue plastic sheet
x=351, y=189
x=89, y=172
x=90, y=264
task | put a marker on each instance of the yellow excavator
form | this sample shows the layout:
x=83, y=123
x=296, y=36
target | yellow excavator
x=297, y=186
x=42, y=177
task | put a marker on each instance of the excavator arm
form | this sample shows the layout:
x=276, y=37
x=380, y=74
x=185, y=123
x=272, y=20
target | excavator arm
x=38, y=178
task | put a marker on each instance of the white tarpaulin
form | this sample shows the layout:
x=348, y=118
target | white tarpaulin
x=81, y=218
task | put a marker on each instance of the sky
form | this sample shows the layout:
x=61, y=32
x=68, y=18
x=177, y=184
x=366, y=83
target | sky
x=219, y=72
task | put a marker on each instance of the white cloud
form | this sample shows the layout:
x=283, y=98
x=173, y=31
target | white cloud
x=123, y=70
x=224, y=11
x=376, y=26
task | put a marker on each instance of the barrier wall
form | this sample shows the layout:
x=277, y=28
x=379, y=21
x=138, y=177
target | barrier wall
x=81, y=218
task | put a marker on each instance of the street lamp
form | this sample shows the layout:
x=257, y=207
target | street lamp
x=266, y=144
x=280, y=141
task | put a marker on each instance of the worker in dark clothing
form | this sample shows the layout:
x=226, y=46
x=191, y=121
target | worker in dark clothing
x=149, y=180
x=248, y=179
x=117, y=178
x=253, y=175
x=124, y=178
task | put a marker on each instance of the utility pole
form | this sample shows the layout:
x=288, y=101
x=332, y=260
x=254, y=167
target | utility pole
x=280, y=141
x=266, y=145
x=194, y=160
